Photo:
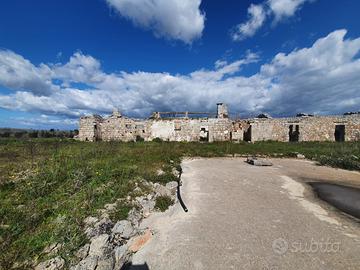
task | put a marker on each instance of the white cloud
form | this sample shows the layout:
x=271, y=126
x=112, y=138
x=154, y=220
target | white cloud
x=285, y=8
x=18, y=73
x=80, y=68
x=323, y=78
x=257, y=16
x=173, y=19
x=279, y=9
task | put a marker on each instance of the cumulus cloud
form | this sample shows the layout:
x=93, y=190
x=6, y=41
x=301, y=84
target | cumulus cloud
x=258, y=14
x=283, y=9
x=321, y=79
x=18, y=73
x=173, y=19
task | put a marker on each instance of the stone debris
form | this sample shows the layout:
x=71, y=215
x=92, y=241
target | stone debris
x=161, y=190
x=56, y=263
x=147, y=205
x=160, y=172
x=100, y=227
x=175, y=172
x=83, y=252
x=135, y=217
x=89, y=263
x=105, y=263
x=99, y=245
x=121, y=254
x=172, y=186
x=124, y=228
x=300, y=156
x=90, y=221
x=110, y=206
x=258, y=162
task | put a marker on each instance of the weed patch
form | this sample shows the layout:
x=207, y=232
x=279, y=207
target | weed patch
x=162, y=203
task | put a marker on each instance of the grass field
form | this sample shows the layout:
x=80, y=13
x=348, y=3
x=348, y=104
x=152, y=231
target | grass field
x=48, y=186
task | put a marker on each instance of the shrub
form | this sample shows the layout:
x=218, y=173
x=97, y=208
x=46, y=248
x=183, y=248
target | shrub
x=158, y=140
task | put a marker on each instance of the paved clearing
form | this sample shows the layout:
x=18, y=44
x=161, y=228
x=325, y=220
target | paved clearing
x=246, y=217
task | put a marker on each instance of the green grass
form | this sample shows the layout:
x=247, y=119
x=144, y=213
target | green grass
x=48, y=186
x=162, y=203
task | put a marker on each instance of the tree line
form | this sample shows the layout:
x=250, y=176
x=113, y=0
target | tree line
x=24, y=133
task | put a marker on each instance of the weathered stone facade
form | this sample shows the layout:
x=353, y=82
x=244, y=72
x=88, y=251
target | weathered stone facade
x=118, y=127
x=218, y=127
x=307, y=128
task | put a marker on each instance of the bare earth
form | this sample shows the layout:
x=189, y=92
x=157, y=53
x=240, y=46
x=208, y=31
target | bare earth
x=246, y=217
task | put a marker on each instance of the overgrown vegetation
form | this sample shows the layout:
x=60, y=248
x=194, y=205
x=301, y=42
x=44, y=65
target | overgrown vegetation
x=48, y=186
x=162, y=203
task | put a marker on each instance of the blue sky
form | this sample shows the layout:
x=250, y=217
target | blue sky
x=63, y=59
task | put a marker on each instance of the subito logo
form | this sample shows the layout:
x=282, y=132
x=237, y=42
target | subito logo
x=280, y=246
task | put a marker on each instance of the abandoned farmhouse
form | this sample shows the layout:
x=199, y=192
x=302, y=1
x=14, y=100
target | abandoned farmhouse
x=210, y=127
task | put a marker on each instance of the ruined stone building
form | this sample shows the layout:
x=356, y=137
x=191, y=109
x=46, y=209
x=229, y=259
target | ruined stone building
x=210, y=127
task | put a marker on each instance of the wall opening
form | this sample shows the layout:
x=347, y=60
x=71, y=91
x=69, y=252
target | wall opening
x=204, y=135
x=339, y=133
x=294, y=133
x=95, y=133
x=247, y=134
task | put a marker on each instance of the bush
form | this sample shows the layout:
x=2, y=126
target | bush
x=343, y=162
x=158, y=140
x=163, y=202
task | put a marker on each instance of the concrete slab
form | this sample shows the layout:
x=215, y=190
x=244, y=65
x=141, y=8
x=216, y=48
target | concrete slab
x=246, y=217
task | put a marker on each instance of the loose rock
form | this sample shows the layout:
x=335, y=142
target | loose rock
x=134, y=217
x=172, y=186
x=124, y=228
x=258, y=162
x=121, y=256
x=56, y=263
x=300, y=156
x=160, y=190
x=83, y=251
x=105, y=264
x=89, y=263
x=90, y=221
x=99, y=245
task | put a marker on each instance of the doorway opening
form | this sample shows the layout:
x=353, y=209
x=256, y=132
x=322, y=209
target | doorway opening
x=294, y=133
x=247, y=134
x=204, y=135
x=340, y=133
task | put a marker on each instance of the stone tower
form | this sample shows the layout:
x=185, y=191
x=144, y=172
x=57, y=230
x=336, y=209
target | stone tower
x=222, y=110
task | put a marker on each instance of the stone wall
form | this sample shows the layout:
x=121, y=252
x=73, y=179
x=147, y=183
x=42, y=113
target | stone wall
x=221, y=128
x=90, y=128
x=320, y=128
x=203, y=129
x=119, y=128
